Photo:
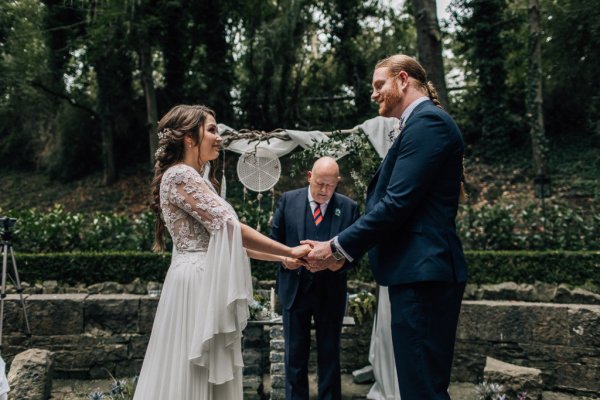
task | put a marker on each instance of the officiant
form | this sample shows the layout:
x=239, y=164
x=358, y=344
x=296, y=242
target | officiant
x=316, y=212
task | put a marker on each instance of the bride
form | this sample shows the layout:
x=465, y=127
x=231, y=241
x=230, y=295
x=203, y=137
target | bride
x=194, y=350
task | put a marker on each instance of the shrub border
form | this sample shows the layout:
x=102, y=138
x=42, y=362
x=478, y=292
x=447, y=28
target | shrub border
x=570, y=267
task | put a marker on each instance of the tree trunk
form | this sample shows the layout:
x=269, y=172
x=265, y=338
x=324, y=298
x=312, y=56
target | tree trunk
x=107, y=124
x=429, y=45
x=150, y=95
x=535, y=99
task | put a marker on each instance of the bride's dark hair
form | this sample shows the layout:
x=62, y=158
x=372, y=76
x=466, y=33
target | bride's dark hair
x=179, y=122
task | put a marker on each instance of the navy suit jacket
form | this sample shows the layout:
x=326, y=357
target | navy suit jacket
x=409, y=223
x=288, y=227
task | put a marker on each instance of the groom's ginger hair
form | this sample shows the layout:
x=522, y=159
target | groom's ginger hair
x=401, y=62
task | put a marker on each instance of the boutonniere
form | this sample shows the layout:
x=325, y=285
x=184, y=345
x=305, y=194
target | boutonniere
x=394, y=133
x=337, y=212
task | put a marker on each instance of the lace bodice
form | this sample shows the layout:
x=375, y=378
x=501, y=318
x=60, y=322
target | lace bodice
x=191, y=208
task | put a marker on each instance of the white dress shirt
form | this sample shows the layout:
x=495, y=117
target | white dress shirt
x=313, y=204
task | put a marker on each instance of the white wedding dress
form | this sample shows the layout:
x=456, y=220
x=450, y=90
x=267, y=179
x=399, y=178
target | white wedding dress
x=194, y=351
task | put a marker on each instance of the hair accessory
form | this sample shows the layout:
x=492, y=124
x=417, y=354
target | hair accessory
x=163, y=134
x=394, y=133
x=160, y=151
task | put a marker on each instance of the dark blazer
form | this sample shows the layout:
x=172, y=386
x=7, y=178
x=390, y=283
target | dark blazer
x=409, y=223
x=288, y=227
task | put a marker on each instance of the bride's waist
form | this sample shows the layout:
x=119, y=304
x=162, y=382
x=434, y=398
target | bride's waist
x=188, y=255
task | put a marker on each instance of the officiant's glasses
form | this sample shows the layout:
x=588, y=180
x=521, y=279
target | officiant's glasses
x=6, y=223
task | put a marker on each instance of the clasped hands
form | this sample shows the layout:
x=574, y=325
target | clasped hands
x=314, y=256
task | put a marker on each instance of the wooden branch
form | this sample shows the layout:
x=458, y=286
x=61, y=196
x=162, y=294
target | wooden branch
x=63, y=96
x=254, y=135
x=330, y=98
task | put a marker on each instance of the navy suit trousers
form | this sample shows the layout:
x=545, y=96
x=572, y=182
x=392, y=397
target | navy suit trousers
x=328, y=329
x=424, y=321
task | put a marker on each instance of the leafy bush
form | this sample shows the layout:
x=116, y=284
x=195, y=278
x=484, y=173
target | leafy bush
x=58, y=230
x=120, y=389
x=504, y=227
x=494, y=391
x=488, y=227
x=362, y=305
x=571, y=267
x=577, y=268
x=89, y=268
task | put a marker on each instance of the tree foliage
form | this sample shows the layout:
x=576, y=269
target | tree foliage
x=96, y=69
x=83, y=82
x=492, y=42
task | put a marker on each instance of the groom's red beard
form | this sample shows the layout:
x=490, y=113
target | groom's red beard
x=391, y=100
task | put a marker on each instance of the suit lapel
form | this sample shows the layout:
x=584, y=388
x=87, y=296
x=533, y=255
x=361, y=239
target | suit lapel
x=394, y=145
x=374, y=179
x=371, y=186
x=301, y=202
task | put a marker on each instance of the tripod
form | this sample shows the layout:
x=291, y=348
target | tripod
x=6, y=223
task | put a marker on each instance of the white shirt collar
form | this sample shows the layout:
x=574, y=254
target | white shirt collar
x=313, y=203
x=411, y=108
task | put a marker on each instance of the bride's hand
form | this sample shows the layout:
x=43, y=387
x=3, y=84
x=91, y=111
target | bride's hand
x=293, y=263
x=300, y=251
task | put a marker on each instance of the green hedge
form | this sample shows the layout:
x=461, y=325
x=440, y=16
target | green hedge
x=570, y=267
x=90, y=268
x=558, y=226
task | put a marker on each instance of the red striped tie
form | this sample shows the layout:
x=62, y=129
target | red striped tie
x=317, y=214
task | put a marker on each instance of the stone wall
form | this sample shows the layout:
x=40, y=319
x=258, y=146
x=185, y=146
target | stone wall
x=354, y=353
x=562, y=340
x=92, y=334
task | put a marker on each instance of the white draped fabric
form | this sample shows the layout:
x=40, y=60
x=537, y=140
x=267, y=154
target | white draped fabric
x=222, y=315
x=376, y=129
x=4, y=388
x=381, y=352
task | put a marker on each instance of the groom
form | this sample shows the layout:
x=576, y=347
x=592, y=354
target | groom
x=409, y=228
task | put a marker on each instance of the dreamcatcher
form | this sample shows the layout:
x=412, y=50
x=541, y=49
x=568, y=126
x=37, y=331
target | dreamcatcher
x=259, y=170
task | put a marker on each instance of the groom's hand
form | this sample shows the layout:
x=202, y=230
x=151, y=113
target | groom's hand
x=320, y=257
x=329, y=263
x=320, y=250
x=337, y=264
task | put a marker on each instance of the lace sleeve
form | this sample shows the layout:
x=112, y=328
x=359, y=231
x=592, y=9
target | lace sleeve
x=191, y=193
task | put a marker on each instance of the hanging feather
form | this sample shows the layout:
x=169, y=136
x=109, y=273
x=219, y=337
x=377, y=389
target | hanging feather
x=258, y=198
x=223, y=186
x=272, y=206
x=223, y=181
x=244, y=219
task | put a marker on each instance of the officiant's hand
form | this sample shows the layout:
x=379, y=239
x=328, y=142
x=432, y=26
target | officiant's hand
x=329, y=263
